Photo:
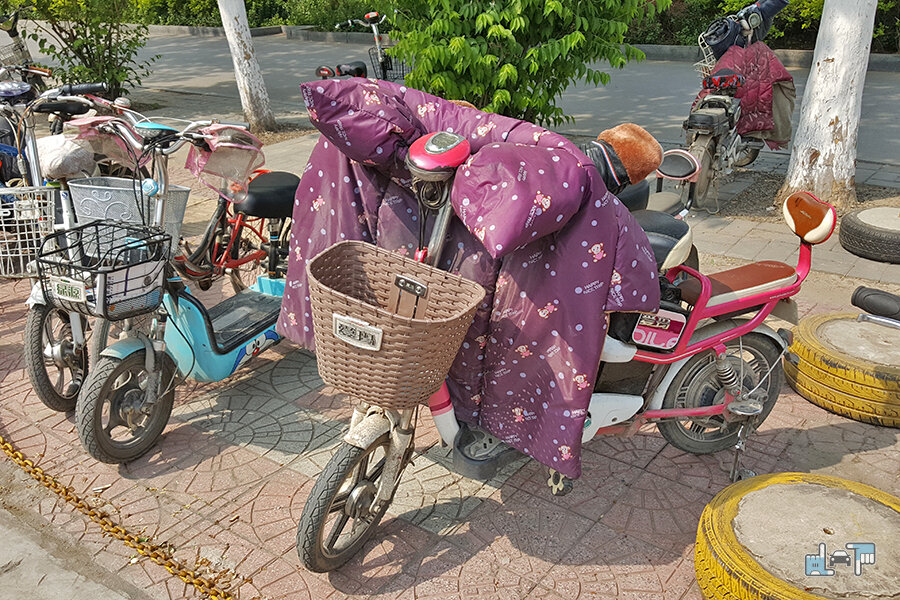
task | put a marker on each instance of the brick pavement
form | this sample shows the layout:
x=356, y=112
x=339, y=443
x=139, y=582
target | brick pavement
x=227, y=482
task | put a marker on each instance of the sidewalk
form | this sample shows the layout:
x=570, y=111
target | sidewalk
x=227, y=482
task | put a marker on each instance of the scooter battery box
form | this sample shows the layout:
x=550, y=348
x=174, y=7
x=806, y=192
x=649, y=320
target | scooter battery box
x=710, y=120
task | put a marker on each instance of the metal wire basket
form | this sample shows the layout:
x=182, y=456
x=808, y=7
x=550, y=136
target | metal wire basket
x=26, y=216
x=106, y=269
x=9, y=55
x=363, y=347
x=119, y=199
x=708, y=61
x=387, y=67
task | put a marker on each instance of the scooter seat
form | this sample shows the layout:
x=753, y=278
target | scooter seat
x=667, y=202
x=742, y=282
x=677, y=164
x=270, y=196
x=670, y=238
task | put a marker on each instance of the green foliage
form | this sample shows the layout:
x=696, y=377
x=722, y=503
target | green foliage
x=90, y=40
x=324, y=14
x=205, y=13
x=515, y=57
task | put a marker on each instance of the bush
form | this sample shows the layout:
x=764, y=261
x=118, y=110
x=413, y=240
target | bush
x=205, y=13
x=90, y=40
x=515, y=57
x=324, y=14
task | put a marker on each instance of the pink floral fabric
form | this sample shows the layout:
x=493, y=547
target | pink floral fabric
x=553, y=248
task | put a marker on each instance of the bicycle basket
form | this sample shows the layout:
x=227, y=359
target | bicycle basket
x=26, y=216
x=371, y=353
x=106, y=269
x=231, y=153
x=390, y=68
x=9, y=55
x=118, y=199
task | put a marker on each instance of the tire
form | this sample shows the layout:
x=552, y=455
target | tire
x=747, y=157
x=872, y=233
x=320, y=504
x=702, y=148
x=832, y=378
x=108, y=371
x=41, y=335
x=696, y=384
x=725, y=569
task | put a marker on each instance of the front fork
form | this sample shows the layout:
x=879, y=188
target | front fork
x=369, y=423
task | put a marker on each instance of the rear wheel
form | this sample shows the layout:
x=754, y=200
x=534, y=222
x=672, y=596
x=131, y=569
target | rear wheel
x=697, y=385
x=339, y=515
x=115, y=419
x=56, y=367
x=702, y=148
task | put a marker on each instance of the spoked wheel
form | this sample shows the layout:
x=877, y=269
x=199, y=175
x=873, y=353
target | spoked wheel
x=339, y=515
x=244, y=276
x=56, y=367
x=697, y=385
x=115, y=419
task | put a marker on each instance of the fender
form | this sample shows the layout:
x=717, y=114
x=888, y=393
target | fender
x=703, y=333
x=123, y=348
x=36, y=297
x=370, y=429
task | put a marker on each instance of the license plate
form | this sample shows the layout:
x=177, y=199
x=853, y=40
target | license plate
x=67, y=289
x=662, y=330
x=356, y=333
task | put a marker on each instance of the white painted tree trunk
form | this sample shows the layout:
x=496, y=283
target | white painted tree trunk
x=252, y=88
x=823, y=160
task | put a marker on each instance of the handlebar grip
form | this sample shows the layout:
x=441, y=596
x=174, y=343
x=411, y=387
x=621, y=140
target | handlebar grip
x=237, y=124
x=75, y=89
x=877, y=302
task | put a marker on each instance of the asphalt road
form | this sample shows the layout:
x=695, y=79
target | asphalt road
x=654, y=94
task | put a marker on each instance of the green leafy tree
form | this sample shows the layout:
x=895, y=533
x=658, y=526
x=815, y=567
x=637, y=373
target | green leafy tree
x=90, y=41
x=515, y=57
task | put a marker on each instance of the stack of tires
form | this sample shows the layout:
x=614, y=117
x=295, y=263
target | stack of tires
x=847, y=367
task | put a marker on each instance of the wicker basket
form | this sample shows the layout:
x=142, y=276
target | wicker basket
x=390, y=360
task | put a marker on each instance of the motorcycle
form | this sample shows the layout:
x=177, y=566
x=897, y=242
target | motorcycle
x=711, y=129
x=705, y=368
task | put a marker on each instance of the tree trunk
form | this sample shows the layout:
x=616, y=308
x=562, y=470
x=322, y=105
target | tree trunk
x=823, y=160
x=252, y=88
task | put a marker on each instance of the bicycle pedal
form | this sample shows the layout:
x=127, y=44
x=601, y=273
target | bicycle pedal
x=559, y=484
x=745, y=407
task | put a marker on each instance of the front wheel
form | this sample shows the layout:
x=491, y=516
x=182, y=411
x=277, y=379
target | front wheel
x=702, y=148
x=56, y=366
x=339, y=515
x=697, y=385
x=116, y=421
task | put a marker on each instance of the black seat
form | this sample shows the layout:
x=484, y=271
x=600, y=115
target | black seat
x=357, y=68
x=271, y=196
x=66, y=108
x=670, y=238
x=677, y=166
x=635, y=197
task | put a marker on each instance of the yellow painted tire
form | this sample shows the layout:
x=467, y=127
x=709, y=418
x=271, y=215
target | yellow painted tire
x=865, y=410
x=809, y=347
x=725, y=571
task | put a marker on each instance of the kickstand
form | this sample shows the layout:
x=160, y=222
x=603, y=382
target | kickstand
x=738, y=473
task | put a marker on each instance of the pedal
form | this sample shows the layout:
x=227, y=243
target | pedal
x=745, y=407
x=559, y=484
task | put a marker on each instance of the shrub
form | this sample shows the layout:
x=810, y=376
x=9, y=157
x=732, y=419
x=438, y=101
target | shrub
x=515, y=57
x=205, y=13
x=90, y=40
x=324, y=14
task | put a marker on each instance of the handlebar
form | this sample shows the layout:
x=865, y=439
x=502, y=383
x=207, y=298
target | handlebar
x=83, y=88
x=361, y=23
x=877, y=302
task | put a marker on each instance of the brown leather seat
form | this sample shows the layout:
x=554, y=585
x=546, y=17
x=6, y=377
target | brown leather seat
x=741, y=282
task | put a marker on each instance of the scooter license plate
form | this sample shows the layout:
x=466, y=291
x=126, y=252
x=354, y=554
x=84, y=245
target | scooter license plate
x=661, y=330
x=65, y=288
x=356, y=333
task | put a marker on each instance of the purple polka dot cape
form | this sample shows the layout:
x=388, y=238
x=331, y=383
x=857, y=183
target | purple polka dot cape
x=537, y=228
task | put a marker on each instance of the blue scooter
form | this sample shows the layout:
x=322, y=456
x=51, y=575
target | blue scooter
x=127, y=398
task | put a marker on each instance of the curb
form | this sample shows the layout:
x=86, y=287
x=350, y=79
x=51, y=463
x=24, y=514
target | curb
x=306, y=34
x=789, y=58
x=207, y=31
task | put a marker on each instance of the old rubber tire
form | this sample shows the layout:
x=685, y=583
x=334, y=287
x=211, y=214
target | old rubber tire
x=872, y=233
x=858, y=387
x=702, y=148
x=318, y=507
x=90, y=409
x=725, y=569
x=696, y=385
x=61, y=397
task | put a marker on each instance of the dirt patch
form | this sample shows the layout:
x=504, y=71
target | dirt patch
x=286, y=130
x=755, y=202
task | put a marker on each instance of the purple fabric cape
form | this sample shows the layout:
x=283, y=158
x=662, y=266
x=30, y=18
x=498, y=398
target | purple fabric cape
x=537, y=228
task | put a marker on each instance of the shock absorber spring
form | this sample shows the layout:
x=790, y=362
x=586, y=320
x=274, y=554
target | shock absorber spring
x=728, y=377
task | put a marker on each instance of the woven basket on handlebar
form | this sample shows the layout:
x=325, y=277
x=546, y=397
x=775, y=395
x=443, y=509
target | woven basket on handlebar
x=355, y=279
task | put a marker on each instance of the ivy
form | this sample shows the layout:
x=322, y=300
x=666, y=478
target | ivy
x=516, y=57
